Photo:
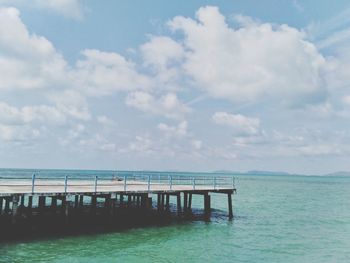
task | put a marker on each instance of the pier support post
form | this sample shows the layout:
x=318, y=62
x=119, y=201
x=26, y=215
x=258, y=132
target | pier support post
x=207, y=208
x=189, y=205
x=93, y=204
x=144, y=201
x=22, y=202
x=163, y=202
x=129, y=200
x=1, y=204
x=158, y=201
x=149, y=203
x=230, y=210
x=15, y=201
x=7, y=205
x=76, y=201
x=121, y=200
x=185, y=202
x=54, y=203
x=81, y=201
x=42, y=201
x=167, y=203
x=63, y=204
x=66, y=211
x=30, y=206
x=178, y=199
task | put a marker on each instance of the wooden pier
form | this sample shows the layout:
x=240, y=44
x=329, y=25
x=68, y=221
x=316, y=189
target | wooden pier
x=22, y=197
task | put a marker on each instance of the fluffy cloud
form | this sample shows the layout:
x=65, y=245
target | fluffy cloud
x=240, y=124
x=9, y=133
x=27, y=61
x=254, y=61
x=167, y=105
x=69, y=8
x=162, y=52
x=29, y=114
x=71, y=103
x=101, y=73
x=174, y=131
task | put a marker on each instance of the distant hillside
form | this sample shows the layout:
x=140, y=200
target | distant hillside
x=340, y=173
x=255, y=172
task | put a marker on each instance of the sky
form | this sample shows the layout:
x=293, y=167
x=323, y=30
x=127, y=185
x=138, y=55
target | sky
x=175, y=85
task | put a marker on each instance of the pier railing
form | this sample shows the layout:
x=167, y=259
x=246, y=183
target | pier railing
x=118, y=182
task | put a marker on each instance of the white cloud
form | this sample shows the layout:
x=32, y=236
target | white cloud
x=167, y=105
x=69, y=8
x=10, y=133
x=197, y=144
x=72, y=103
x=142, y=144
x=105, y=121
x=174, y=131
x=252, y=62
x=27, y=61
x=161, y=52
x=240, y=124
x=102, y=73
x=29, y=114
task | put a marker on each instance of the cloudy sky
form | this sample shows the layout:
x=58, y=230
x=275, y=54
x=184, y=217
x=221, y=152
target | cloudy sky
x=184, y=85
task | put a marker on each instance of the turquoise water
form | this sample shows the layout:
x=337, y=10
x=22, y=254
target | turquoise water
x=277, y=219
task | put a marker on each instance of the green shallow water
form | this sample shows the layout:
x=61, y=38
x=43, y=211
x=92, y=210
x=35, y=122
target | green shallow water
x=277, y=219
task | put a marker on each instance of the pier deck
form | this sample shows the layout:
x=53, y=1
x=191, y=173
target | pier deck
x=20, y=196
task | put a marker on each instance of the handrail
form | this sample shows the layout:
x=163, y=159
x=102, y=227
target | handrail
x=145, y=181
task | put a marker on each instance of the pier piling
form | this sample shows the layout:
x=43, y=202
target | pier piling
x=230, y=212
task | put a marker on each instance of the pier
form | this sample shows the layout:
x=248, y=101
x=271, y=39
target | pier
x=66, y=198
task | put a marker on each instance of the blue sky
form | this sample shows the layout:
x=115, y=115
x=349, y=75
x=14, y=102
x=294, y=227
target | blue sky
x=185, y=85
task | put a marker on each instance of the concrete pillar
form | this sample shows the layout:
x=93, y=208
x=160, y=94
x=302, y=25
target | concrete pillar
x=144, y=200
x=167, y=205
x=138, y=201
x=93, y=204
x=230, y=210
x=76, y=201
x=207, y=208
x=129, y=200
x=81, y=201
x=189, y=205
x=185, y=202
x=30, y=206
x=15, y=212
x=22, y=201
x=42, y=202
x=54, y=202
x=64, y=203
x=112, y=206
x=159, y=200
x=162, y=202
x=7, y=205
x=67, y=206
x=178, y=199
x=121, y=200
x=1, y=204
x=149, y=202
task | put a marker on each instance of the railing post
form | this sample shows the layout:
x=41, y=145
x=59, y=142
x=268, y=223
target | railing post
x=194, y=183
x=65, y=183
x=233, y=182
x=95, y=185
x=149, y=183
x=33, y=183
x=124, y=182
x=170, y=182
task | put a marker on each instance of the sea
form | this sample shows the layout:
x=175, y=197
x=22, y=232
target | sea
x=277, y=218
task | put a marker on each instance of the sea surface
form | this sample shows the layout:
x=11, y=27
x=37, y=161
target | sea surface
x=277, y=219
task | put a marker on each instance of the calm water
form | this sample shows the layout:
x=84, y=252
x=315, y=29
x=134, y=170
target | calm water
x=277, y=219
